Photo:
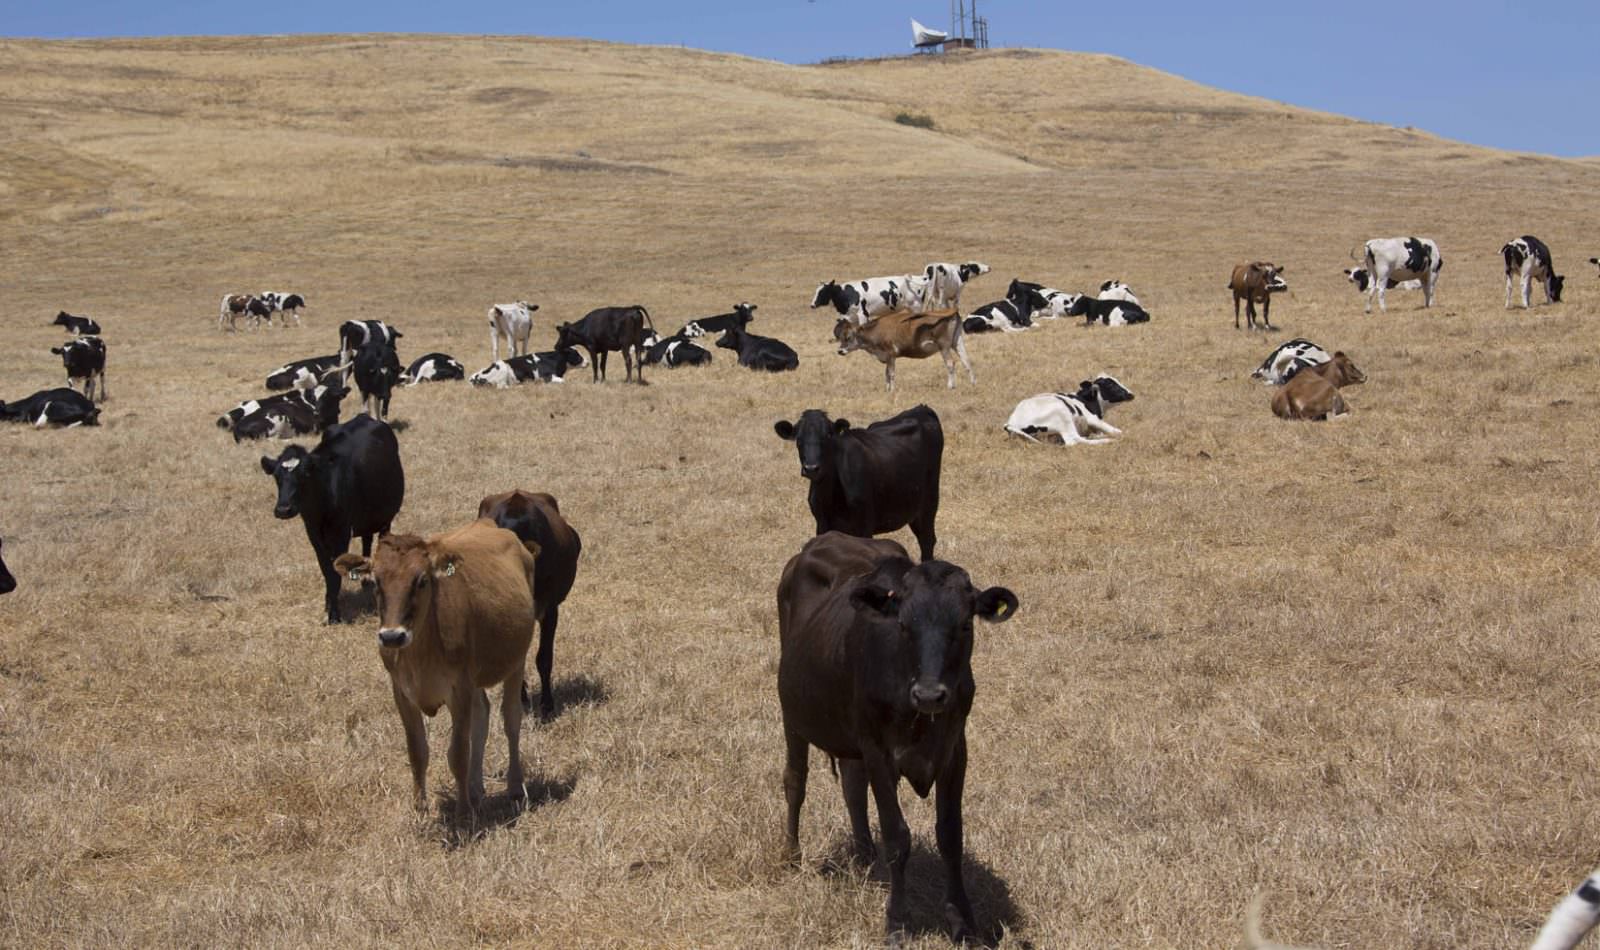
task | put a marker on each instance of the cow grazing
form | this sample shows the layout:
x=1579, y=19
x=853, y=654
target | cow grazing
x=869, y=481
x=535, y=517
x=945, y=283
x=77, y=326
x=1313, y=393
x=606, y=329
x=351, y=484
x=455, y=616
x=907, y=335
x=7, y=582
x=862, y=300
x=288, y=304
x=433, y=368
x=740, y=316
x=514, y=321
x=85, y=361
x=58, y=407
x=1401, y=259
x=1074, y=418
x=307, y=398
x=291, y=416
x=1255, y=282
x=875, y=670
x=759, y=352
x=301, y=374
x=1110, y=313
x=252, y=308
x=1117, y=290
x=1359, y=277
x=1528, y=259
x=1289, y=358
x=354, y=333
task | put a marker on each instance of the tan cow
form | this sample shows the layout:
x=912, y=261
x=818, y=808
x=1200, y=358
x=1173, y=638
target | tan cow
x=913, y=336
x=455, y=616
x=1255, y=282
x=1313, y=393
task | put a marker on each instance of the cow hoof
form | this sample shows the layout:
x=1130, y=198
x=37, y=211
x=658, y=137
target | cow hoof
x=547, y=710
x=896, y=936
x=961, y=926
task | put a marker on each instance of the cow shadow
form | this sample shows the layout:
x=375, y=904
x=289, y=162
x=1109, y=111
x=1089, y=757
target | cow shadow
x=580, y=690
x=354, y=604
x=995, y=913
x=500, y=810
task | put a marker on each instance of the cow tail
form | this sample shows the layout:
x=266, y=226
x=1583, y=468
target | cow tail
x=646, y=314
x=1353, y=256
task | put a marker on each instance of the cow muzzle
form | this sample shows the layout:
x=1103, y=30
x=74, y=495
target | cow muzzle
x=395, y=638
x=809, y=471
x=283, y=512
x=930, y=699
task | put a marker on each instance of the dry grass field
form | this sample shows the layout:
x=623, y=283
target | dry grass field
x=1352, y=664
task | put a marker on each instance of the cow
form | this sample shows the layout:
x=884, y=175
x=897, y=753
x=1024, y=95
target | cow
x=873, y=480
x=1571, y=919
x=1110, y=313
x=1313, y=393
x=1595, y=261
x=862, y=300
x=1401, y=258
x=252, y=308
x=290, y=417
x=354, y=333
x=1359, y=277
x=77, y=326
x=377, y=372
x=514, y=321
x=536, y=517
x=945, y=283
x=1528, y=259
x=84, y=359
x=1289, y=358
x=908, y=335
x=351, y=484
x=759, y=352
x=1046, y=303
x=7, y=582
x=740, y=316
x=60, y=407
x=674, y=351
x=288, y=304
x=308, y=398
x=1117, y=290
x=455, y=616
x=875, y=670
x=1074, y=418
x=1255, y=282
x=433, y=368
x=537, y=368
x=606, y=329
x=1011, y=314
x=301, y=374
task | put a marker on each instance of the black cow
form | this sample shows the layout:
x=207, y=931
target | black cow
x=85, y=362
x=868, y=481
x=436, y=368
x=7, y=582
x=377, y=372
x=78, y=326
x=536, y=517
x=759, y=352
x=354, y=333
x=740, y=317
x=875, y=669
x=281, y=417
x=350, y=484
x=606, y=329
x=61, y=407
x=302, y=374
x=1111, y=313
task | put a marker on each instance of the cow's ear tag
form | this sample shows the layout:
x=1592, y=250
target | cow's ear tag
x=450, y=569
x=1001, y=610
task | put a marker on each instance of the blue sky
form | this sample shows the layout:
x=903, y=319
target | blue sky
x=1513, y=75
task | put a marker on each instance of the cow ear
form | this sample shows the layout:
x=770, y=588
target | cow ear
x=879, y=600
x=444, y=565
x=533, y=547
x=996, y=604
x=841, y=426
x=353, y=566
x=1279, y=268
x=269, y=464
x=57, y=350
x=785, y=430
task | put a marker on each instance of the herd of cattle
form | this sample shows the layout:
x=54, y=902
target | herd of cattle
x=875, y=647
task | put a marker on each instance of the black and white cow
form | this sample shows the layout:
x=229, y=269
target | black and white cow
x=1075, y=417
x=59, y=407
x=291, y=417
x=249, y=306
x=1109, y=313
x=1023, y=300
x=77, y=326
x=354, y=333
x=1401, y=259
x=862, y=300
x=740, y=316
x=945, y=283
x=1283, y=363
x=281, y=302
x=1048, y=303
x=434, y=368
x=1117, y=290
x=85, y=362
x=1595, y=261
x=514, y=321
x=1528, y=259
x=1359, y=277
x=301, y=374
x=547, y=367
x=307, y=398
x=759, y=352
x=674, y=351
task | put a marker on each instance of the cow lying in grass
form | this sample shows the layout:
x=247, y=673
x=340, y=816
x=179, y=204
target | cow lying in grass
x=1073, y=418
x=1313, y=393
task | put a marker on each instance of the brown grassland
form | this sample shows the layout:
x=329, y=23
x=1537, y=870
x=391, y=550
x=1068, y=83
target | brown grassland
x=1349, y=664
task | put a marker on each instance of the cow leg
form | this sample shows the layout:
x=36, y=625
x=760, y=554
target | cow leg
x=511, y=717
x=463, y=707
x=896, y=842
x=1236, y=311
x=1430, y=282
x=1508, y=289
x=949, y=369
x=330, y=578
x=494, y=343
x=922, y=527
x=961, y=351
x=794, y=791
x=1250, y=312
x=888, y=374
x=853, y=781
x=1527, y=291
x=416, y=745
x=1266, y=312
x=105, y=391
x=597, y=362
x=947, y=830
x=544, y=660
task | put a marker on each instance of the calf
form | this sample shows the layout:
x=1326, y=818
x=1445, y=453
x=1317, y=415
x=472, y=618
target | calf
x=674, y=351
x=514, y=321
x=945, y=283
x=1073, y=418
x=7, y=582
x=862, y=300
x=1401, y=259
x=455, y=616
x=521, y=369
x=302, y=374
x=282, y=302
x=433, y=368
x=606, y=329
x=60, y=407
x=740, y=316
x=1011, y=314
x=875, y=670
x=307, y=398
x=759, y=352
x=77, y=326
x=1359, y=277
x=1255, y=282
x=1283, y=363
x=1528, y=259
x=1313, y=393
x=85, y=361
x=291, y=417
x=1046, y=303
x=1110, y=313
x=350, y=484
x=869, y=481
x=536, y=517
x=1117, y=290
x=910, y=335
x=354, y=333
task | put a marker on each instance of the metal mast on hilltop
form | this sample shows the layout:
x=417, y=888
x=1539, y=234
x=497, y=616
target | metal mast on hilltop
x=968, y=30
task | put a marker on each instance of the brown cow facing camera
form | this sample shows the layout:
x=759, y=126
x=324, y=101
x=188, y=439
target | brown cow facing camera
x=455, y=616
x=1255, y=282
x=1313, y=393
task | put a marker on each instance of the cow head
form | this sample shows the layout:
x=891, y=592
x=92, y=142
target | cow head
x=1556, y=283
x=327, y=399
x=292, y=470
x=565, y=336
x=847, y=335
x=825, y=294
x=573, y=358
x=1027, y=296
x=1272, y=277
x=746, y=312
x=530, y=307
x=933, y=604
x=814, y=436
x=971, y=269
x=497, y=374
x=1357, y=276
x=1341, y=372
x=1111, y=389
x=61, y=319
x=1083, y=305
x=7, y=582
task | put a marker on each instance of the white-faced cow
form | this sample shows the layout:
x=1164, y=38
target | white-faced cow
x=1289, y=358
x=1255, y=282
x=605, y=329
x=907, y=335
x=1527, y=260
x=302, y=374
x=514, y=321
x=873, y=480
x=1401, y=259
x=945, y=283
x=434, y=368
x=7, y=582
x=875, y=670
x=536, y=517
x=77, y=326
x=1117, y=290
x=861, y=300
x=762, y=353
x=52, y=407
x=350, y=485
x=455, y=616
x=85, y=361
x=1109, y=313
x=278, y=301
x=1313, y=393
x=1074, y=418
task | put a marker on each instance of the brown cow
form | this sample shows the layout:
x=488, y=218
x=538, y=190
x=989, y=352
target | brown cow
x=1255, y=282
x=535, y=517
x=1313, y=393
x=455, y=616
x=914, y=336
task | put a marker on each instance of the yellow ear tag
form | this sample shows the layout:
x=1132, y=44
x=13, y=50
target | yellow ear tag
x=450, y=569
x=1000, y=611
